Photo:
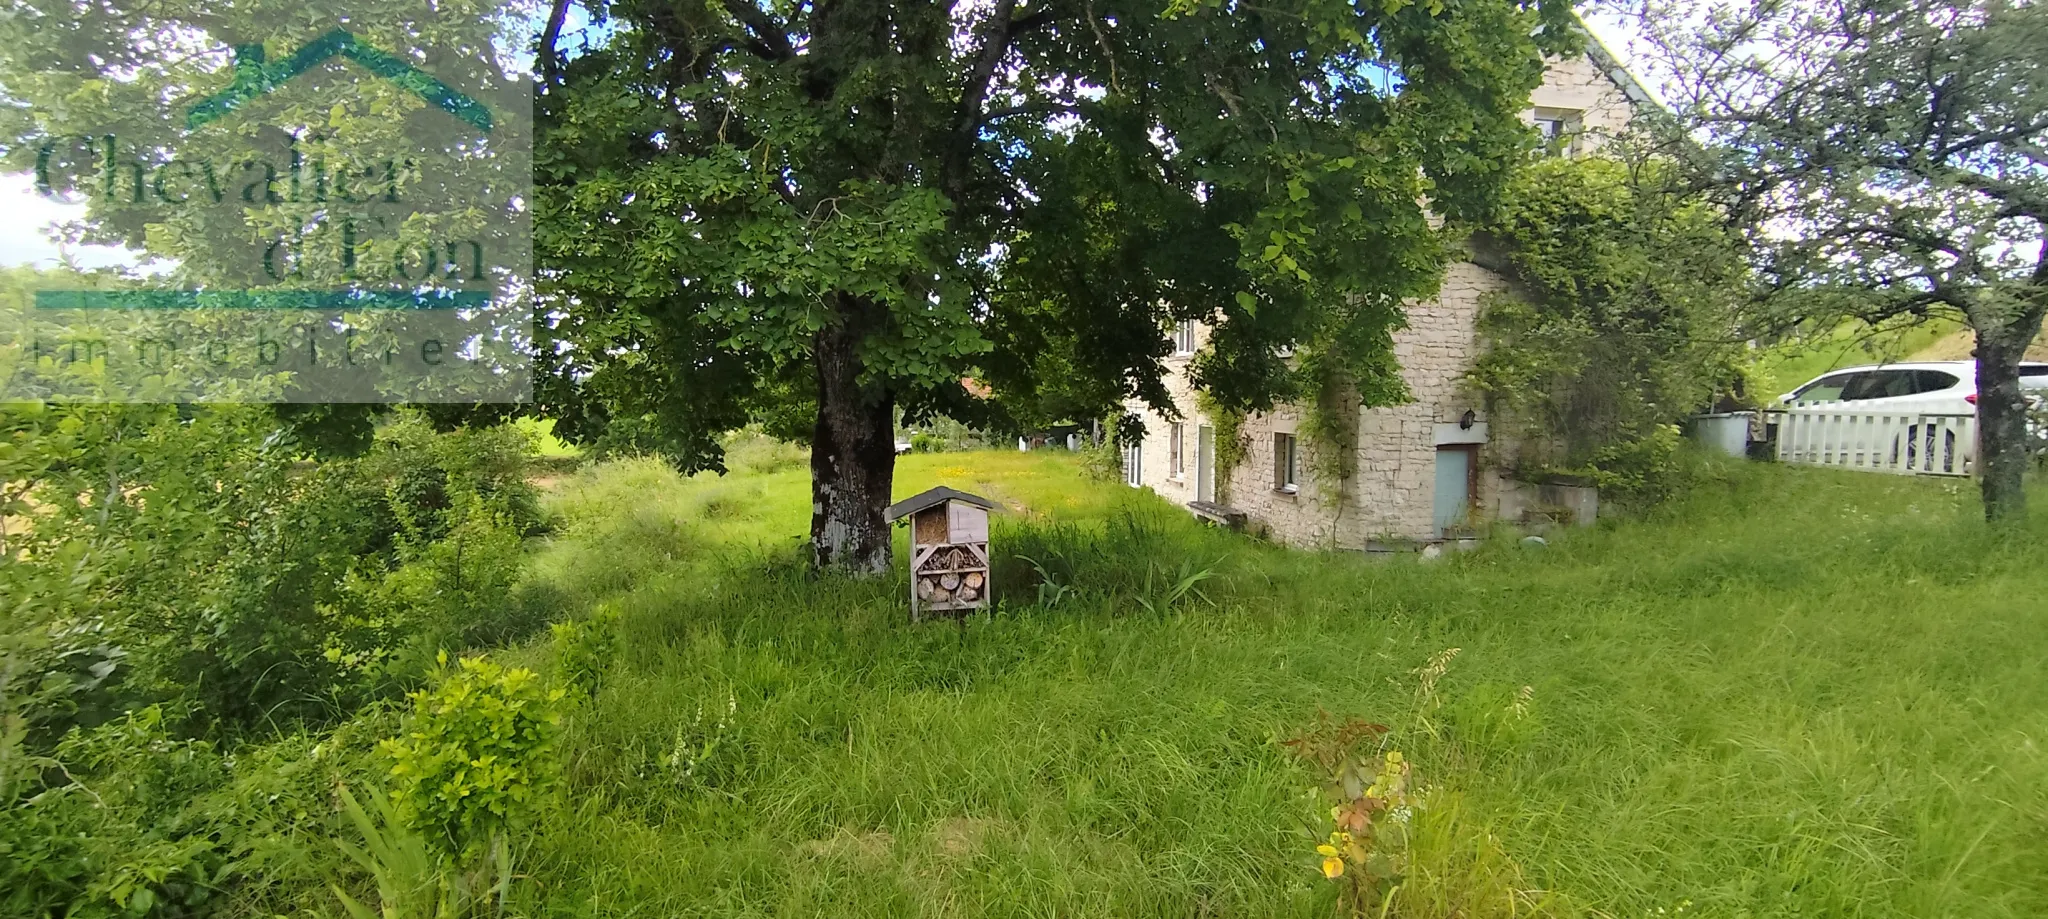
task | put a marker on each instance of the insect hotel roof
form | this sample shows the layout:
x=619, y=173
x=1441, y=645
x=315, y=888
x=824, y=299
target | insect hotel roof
x=933, y=498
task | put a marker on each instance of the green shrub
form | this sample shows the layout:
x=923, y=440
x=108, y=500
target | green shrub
x=1639, y=471
x=475, y=757
x=1621, y=326
x=117, y=834
x=584, y=649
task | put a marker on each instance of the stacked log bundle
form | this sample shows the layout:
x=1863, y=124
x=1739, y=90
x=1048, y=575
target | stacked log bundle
x=952, y=575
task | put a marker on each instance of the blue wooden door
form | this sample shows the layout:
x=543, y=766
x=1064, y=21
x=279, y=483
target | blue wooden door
x=1453, y=488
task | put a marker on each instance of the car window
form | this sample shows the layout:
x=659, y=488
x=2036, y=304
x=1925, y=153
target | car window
x=2034, y=370
x=1933, y=380
x=1825, y=389
x=1876, y=384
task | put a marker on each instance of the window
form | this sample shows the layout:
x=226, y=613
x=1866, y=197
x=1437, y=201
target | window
x=1285, y=466
x=1935, y=380
x=1175, y=463
x=1184, y=337
x=1890, y=384
x=1825, y=389
x=1560, y=129
x=1134, y=463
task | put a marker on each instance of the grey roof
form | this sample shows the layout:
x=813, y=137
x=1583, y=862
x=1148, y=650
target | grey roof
x=932, y=498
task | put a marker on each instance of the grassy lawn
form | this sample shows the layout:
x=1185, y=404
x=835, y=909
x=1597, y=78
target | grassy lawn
x=545, y=443
x=1803, y=693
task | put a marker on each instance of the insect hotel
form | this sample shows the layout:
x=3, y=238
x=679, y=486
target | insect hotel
x=948, y=550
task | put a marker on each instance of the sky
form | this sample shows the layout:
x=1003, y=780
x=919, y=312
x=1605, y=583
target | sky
x=26, y=218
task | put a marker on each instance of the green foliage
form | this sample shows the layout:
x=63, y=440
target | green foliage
x=412, y=877
x=1173, y=589
x=1923, y=198
x=1365, y=788
x=129, y=824
x=135, y=818
x=1330, y=421
x=182, y=597
x=750, y=450
x=475, y=760
x=159, y=553
x=823, y=214
x=1050, y=590
x=1622, y=326
x=942, y=435
x=585, y=648
x=1104, y=460
x=1232, y=443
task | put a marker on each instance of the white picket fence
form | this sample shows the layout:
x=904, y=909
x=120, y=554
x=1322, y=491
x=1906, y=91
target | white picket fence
x=1909, y=444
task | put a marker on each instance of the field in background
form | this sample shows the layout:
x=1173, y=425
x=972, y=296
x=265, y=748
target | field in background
x=1799, y=693
x=1958, y=345
x=1781, y=368
x=542, y=430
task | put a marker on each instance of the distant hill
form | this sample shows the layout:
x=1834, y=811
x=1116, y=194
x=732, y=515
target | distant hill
x=1956, y=346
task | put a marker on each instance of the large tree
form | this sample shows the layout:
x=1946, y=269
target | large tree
x=1891, y=160
x=845, y=206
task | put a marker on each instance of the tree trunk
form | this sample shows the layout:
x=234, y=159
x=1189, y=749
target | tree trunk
x=853, y=449
x=2002, y=415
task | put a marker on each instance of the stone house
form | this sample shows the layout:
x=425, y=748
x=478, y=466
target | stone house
x=1423, y=474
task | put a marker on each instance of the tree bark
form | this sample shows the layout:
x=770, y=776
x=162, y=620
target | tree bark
x=853, y=448
x=2002, y=415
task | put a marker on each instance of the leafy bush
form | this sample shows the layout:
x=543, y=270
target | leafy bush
x=476, y=755
x=117, y=834
x=584, y=648
x=1622, y=325
x=1366, y=788
x=751, y=451
x=188, y=555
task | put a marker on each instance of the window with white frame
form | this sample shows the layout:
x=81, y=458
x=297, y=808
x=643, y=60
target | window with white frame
x=1560, y=129
x=1285, y=464
x=1134, y=463
x=1175, y=463
x=1184, y=337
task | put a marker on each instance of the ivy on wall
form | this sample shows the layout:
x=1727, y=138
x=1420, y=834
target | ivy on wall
x=1620, y=325
x=1232, y=443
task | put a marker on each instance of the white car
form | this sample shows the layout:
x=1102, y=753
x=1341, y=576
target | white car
x=1887, y=405
x=1930, y=387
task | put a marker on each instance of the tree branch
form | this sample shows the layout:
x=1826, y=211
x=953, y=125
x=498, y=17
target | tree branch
x=995, y=42
x=549, y=36
x=770, y=39
x=1029, y=108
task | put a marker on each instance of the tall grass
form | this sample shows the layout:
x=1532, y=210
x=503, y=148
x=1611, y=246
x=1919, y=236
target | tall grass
x=1798, y=692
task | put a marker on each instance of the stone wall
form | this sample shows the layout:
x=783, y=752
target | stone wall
x=1392, y=498
x=1578, y=84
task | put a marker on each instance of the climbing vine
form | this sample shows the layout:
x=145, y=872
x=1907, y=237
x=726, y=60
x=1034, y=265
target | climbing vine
x=1231, y=440
x=1620, y=325
x=1330, y=428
